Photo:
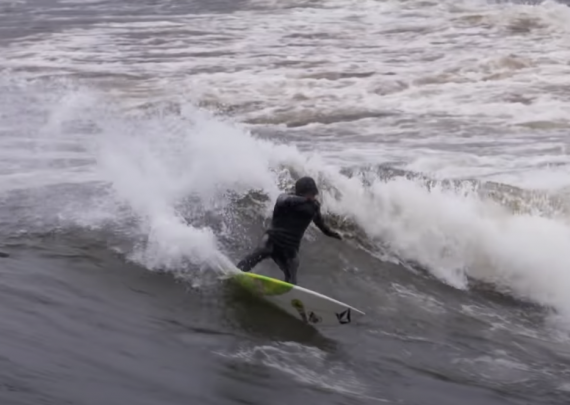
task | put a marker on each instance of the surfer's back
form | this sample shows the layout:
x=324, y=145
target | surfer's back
x=292, y=215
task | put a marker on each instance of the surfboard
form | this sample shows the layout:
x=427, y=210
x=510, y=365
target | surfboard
x=307, y=305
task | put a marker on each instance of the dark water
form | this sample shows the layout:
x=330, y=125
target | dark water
x=83, y=323
x=81, y=326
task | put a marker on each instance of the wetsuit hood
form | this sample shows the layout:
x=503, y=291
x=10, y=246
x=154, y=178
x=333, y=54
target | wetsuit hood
x=306, y=185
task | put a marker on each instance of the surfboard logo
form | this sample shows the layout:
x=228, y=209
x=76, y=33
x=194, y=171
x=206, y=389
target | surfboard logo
x=298, y=305
x=344, y=316
x=312, y=318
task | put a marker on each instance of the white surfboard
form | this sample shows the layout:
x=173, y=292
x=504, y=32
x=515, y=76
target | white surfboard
x=309, y=306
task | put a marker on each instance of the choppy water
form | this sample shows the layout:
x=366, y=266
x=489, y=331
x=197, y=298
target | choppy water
x=142, y=145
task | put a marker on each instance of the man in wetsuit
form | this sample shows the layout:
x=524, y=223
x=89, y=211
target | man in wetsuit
x=292, y=215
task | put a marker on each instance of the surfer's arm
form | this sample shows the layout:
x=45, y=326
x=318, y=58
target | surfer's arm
x=320, y=223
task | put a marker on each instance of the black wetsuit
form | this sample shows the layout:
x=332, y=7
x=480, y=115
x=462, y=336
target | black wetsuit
x=292, y=215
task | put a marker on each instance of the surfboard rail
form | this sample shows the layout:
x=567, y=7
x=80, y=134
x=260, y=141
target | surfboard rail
x=309, y=306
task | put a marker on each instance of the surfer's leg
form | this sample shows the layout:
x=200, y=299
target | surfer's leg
x=288, y=265
x=293, y=265
x=260, y=253
x=281, y=262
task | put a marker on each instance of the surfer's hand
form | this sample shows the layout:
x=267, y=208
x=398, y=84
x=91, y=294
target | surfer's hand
x=336, y=235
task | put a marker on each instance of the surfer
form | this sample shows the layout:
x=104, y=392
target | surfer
x=292, y=214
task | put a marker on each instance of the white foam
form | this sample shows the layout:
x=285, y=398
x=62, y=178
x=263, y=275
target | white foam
x=308, y=365
x=455, y=234
x=154, y=164
x=500, y=367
